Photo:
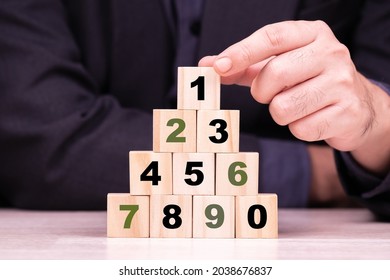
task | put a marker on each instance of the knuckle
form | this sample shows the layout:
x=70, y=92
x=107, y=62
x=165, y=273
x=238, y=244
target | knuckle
x=321, y=25
x=246, y=52
x=276, y=70
x=274, y=36
x=341, y=51
x=299, y=130
x=280, y=110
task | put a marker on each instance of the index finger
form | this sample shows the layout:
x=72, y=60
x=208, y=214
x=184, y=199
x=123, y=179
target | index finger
x=268, y=41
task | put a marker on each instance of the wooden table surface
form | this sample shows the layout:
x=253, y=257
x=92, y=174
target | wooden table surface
x=303, y=234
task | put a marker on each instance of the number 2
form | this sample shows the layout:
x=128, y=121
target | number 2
x=174, y=136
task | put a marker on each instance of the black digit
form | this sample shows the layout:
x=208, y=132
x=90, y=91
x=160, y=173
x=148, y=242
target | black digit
x=173, y=137
x=174, y=215
x=251, y=216
x=154, y=177
x=221, y=130
x=200, y=83
x=190, y=170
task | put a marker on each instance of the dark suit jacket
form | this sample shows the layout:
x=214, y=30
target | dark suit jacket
x=78, y=81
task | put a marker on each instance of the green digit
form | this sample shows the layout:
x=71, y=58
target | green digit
x=133, y=209
x=173, y=137
x=233, y=172
x=219, y=217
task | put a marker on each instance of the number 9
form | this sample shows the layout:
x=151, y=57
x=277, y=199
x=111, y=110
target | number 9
x=219, y=217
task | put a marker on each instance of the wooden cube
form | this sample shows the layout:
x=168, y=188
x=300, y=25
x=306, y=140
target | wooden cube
x=218, y=131
x=171, y=216
x=257, y=216
x=198, y=88
x=127, y=215
x=174, y=130
x=150, y=173
x=237, y=173
x=194, y=173
x=213, y=216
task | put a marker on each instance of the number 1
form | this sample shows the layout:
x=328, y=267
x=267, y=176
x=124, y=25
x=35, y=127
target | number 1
x=200, y=83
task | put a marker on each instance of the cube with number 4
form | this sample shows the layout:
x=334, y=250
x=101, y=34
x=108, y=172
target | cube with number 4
x=150, y=173
x=127, y=216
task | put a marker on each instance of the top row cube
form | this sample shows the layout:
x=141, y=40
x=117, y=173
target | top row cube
x=198, y=88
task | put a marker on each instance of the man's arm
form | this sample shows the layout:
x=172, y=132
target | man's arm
x=311, y=85
x=63, y=144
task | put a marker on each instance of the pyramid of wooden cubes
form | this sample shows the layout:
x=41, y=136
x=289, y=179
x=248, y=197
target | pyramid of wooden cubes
x=195, y=182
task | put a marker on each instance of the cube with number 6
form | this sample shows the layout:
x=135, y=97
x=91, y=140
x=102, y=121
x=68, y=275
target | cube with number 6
x=237, y=173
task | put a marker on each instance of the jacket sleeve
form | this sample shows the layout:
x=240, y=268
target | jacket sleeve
x=371, y=54
x=63, y=144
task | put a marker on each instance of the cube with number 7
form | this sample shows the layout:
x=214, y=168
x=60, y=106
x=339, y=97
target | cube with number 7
x=127, y=216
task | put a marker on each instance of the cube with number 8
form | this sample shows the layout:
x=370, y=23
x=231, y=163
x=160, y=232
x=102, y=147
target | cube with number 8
x=171, y=216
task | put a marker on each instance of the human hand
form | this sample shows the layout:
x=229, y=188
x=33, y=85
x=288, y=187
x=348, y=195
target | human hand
x=311, y=84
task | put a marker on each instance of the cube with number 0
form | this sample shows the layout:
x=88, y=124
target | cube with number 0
x=257, y=216
x=150, y=173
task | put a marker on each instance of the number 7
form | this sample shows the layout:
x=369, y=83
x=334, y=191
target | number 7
x=133, y=209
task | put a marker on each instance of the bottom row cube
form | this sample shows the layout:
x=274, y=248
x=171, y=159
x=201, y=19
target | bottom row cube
x=186, y=216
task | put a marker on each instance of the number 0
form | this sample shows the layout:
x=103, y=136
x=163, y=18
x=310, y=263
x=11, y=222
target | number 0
x=251, y=216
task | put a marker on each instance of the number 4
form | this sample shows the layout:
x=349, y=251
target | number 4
x=154, y=177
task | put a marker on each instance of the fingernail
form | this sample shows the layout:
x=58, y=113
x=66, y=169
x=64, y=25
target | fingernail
x=223, y=64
